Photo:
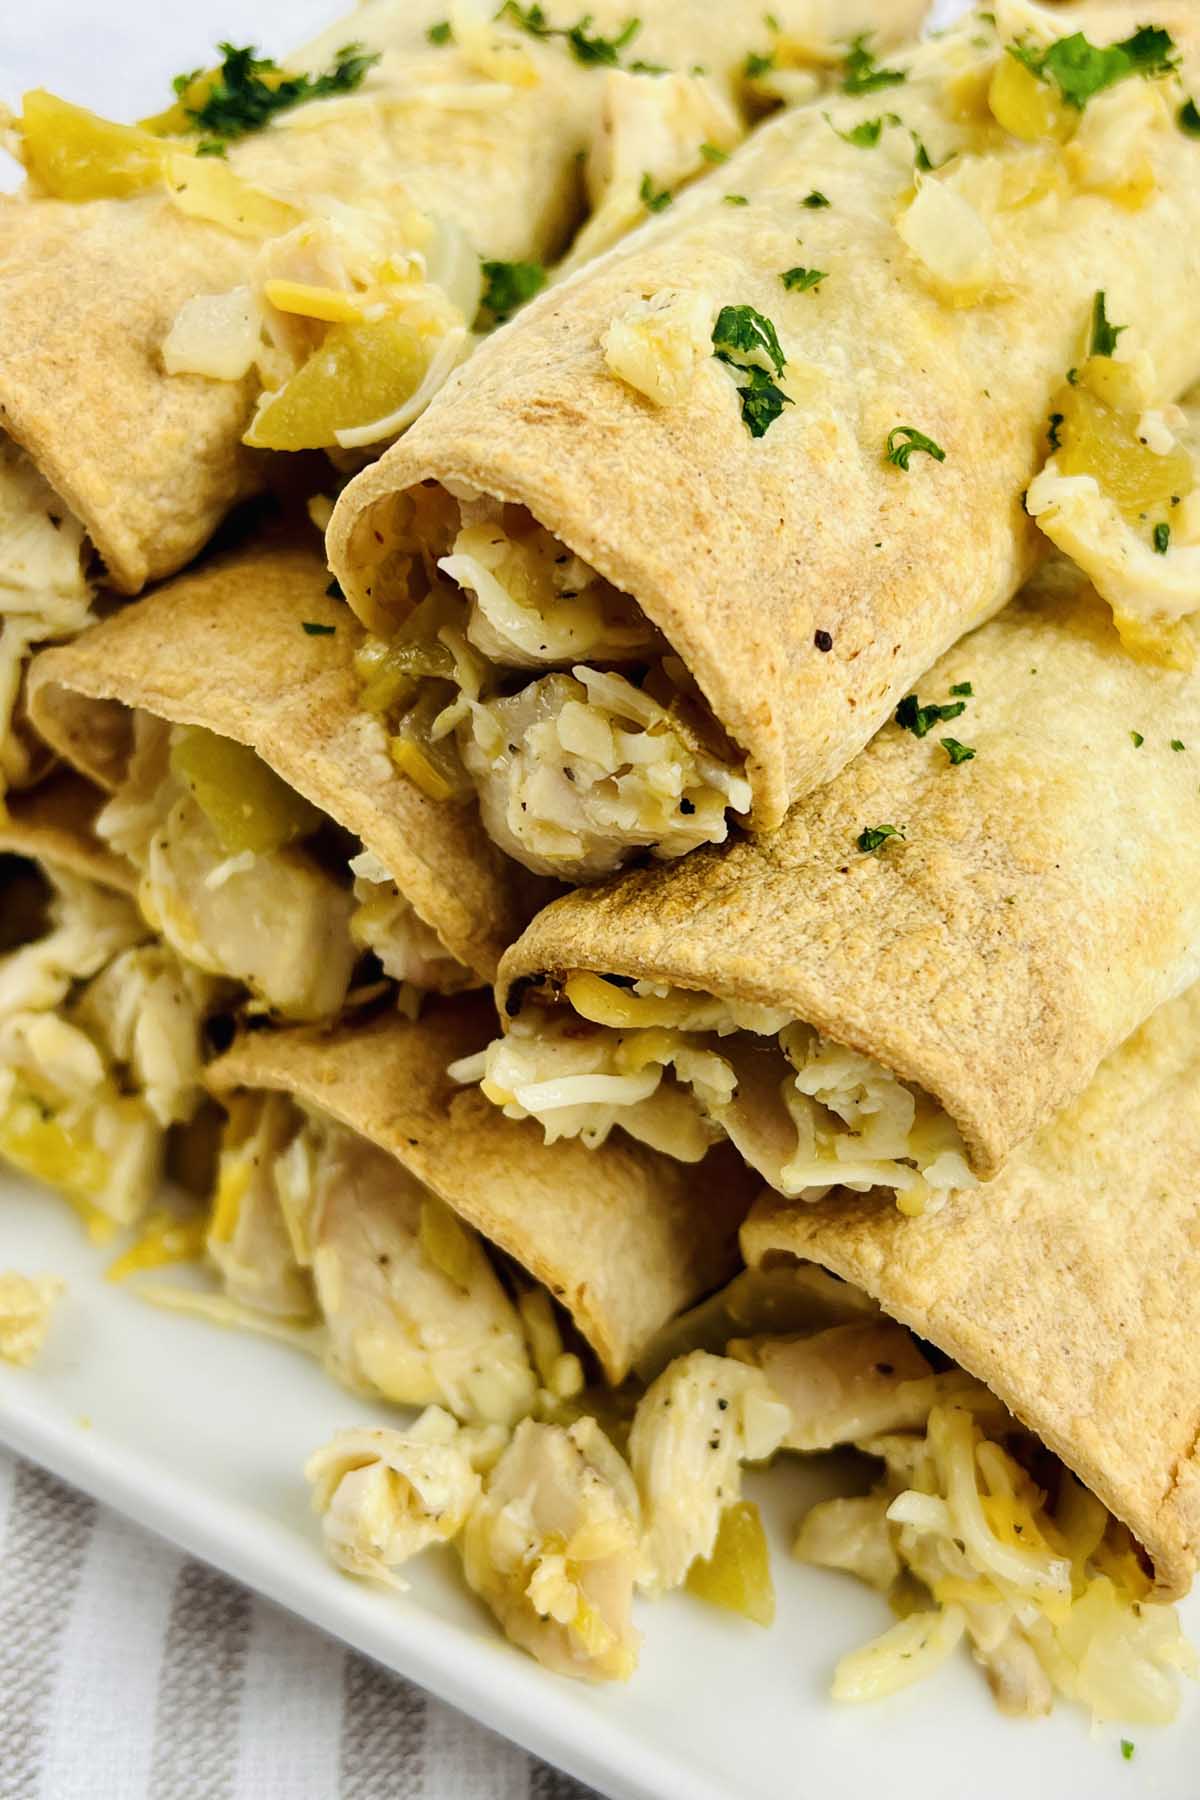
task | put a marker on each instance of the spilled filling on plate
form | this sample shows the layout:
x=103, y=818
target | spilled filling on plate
x=523, y=677
x=680, y=1070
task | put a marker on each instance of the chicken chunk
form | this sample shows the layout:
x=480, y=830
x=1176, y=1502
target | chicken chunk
x=845, y=1383
x=552, y=1547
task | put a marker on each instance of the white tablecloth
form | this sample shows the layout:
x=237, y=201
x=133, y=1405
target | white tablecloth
x=131, y=1672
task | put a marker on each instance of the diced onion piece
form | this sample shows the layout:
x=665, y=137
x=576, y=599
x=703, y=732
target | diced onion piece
x=658, y=344
x=951, y=242
x=217, y=335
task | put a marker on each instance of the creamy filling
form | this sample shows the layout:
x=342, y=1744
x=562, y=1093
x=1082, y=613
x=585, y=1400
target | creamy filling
x=311, y=1222
x=44, y=595
x=100, y=1053
x=230, y=878
x=524, y=677
x=679, y=1071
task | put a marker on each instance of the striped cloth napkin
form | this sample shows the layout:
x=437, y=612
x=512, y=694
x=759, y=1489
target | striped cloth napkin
x=131, y=1672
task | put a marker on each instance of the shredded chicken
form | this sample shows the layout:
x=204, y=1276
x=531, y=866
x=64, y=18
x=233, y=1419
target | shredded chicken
x=577, y=769
x=680, y=1070
x=100, y=1051
x=694, y=1428
x=552, y=1547
x=409, y=950
x=385, y=1496
x=45, y=593
x=26, y=1304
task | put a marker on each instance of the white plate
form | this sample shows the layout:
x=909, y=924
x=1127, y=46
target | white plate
x=200, y=1434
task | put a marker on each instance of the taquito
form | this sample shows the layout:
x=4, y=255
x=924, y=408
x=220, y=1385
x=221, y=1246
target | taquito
x=276, y=840
x=926, y=962
x=743, y=480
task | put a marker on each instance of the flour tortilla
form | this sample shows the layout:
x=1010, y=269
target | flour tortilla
x=750, y=554
x=1044, y=901
x=1070, y=1286
x=225, y=647
x=150, y=463
x=624, y=1238
x=53, y=824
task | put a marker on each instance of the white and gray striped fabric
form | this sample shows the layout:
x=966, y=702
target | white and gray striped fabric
x=131, y=1672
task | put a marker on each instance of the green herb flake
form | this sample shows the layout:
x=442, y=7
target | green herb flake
x=1138, y=739
x=921, y=157
x=1052, y=437
x=762, y=402
x=745, y=337
x=1080, y=70
x=963, y=687
x=866, y=135
x=862, y=74
x=240, y=100
x=1178, y=744
x=1162, y=538
x=958, y=753
x=654, y=200
x=802, y=281
x=713, y=153
x=815, y=200
x=510, y=285
x=1104, y=335
x=334, y=590
x=441, y=33
x=876, y=836
x=918, y=719
x=310, y=628
x=1127, y=1749
x=212, y=147
x=736, y=200
x=1188, y=118
x=591, y=50
x=903, y=441
x=757, y=64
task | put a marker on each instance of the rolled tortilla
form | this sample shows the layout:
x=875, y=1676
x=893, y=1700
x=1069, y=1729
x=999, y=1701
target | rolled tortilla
x=1043, y=900
x=803, y=579
x=252, y=647
x=1071, y=1291
x=623, y=1241
x=54, y=824
x=150, y=462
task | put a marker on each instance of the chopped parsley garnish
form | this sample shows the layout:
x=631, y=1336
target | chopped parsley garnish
x=958, y=753
x=212, y=147
x=334, y=590
x=441, y=33
x=747, y=341
x=758, y=63
x=862, y=74
x=1162, y=538
x=310, y=628
x=1178, y=744
x=1127, y=1749
x=240, y=100
x=963, y=687
x=1188, y=118
x=713, y=153
x=736, y=200
x=1104, y=335
x=814, y=200
x=743, y=336
x=904, y=440
x=1080, y=70
x=800, y=280
x=919, y=719
x=921, y=157
x=653, y=199
x=762, y=402
x=640, y=67
x=1138, y=739
x=1052, y=438
x=509, y=285
x=585, y=46
x=866, y=135
x=876, y=836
